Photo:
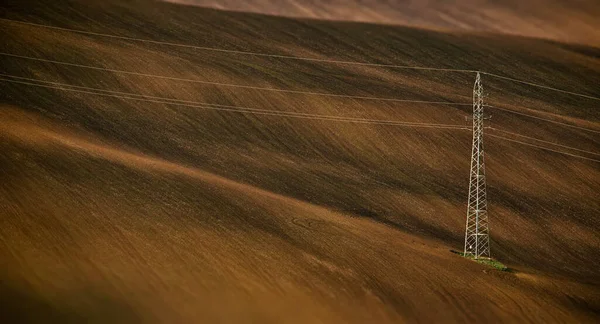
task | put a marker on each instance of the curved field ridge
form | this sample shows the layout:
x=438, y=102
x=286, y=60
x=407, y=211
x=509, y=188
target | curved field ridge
x=560, y=20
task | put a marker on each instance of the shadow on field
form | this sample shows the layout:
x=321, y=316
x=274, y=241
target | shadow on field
x=20, y=305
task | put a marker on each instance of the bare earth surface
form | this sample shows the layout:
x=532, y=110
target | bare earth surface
x=563, y=20
x=118, y=205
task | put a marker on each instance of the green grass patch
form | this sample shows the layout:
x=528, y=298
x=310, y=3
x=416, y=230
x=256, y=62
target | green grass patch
x=489, y=262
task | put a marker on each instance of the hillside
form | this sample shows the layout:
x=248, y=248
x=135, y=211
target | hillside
x=568, y=21
x=134, y=191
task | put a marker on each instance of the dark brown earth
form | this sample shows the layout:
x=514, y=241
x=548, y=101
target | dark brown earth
x=117, y=207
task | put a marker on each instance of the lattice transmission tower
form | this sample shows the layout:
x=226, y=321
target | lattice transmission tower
x=477, y=241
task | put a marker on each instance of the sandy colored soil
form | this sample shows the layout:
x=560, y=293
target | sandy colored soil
x=561, y=20
x=129, y=207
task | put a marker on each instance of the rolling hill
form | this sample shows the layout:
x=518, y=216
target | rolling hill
x=568, y=21
x=177, y=164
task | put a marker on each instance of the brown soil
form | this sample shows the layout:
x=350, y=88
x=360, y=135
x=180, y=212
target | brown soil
x=121, y=210
x=561, y=20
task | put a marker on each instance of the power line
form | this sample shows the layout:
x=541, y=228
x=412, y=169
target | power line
x=284, y=114
x=541, y=147
x=543, y=141
x=168, y=101
x=214, y=49
x=129, y=94
x=291, y=57
x=297, y=57
x=544, y=119
x=323, y=94
x=288, y=91
x=285, y=90
x=541, y=86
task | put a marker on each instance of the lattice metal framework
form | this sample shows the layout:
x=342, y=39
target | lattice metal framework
x=477, y=242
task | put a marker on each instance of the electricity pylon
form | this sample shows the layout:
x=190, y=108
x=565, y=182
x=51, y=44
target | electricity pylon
x=477, y=241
